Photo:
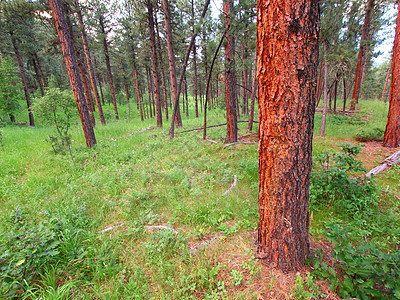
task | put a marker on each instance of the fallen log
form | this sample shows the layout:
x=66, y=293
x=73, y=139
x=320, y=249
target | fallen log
x=392, y=160
x=235, y=143
x=231, y=187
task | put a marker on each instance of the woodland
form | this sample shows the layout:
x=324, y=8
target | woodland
x=181, y=149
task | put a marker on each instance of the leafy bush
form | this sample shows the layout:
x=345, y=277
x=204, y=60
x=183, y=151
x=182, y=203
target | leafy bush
x=332, y=182
x=57, y=108
x=340, y=120
x=363, y=272
x=375, y=134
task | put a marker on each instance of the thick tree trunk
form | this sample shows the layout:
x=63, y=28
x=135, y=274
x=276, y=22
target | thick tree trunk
x=154, y=62
x=392, y=131
x=23, y=78
x=361, y=54
x=73, y=72
x=108, y=65
x=90, y=66
x=325, y=109
x=253, y=98
x=230, y=77
x=287, y=49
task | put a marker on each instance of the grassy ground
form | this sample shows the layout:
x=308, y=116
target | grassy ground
x=141, y=216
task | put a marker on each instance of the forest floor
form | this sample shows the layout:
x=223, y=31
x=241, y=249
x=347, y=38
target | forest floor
x=141, y=216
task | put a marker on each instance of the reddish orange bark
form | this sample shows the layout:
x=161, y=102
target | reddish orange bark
x=392, y=132
x=73, y=72
x=287, y=51
x=361, y=55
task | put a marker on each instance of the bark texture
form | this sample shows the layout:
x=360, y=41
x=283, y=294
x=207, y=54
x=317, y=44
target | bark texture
x=361, y=54
x=287, y=50
x=392, y=131
x=230, y=76
x=73, y=72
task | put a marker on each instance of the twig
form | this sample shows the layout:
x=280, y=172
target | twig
x=246, y=143
x=112, y=227
x=144, y=130
x=208, y=140
x=231, y=187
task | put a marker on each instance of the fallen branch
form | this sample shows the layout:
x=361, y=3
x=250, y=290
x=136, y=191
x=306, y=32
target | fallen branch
x=112, y=227
x=246, y=143
x=205, y=243
x=211, y=141
x=211, y=126
x=231, y=187
x=161, y=227
x=393, y=159
x=146, y=129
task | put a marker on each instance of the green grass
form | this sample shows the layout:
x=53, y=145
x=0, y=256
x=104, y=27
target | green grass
x=134, y=180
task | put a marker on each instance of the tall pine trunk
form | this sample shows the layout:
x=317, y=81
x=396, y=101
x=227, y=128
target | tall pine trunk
x=361, y=54
x=23, y=78
x=392, y=131
x=287, y=50
x=73, y=72
x=230, y=77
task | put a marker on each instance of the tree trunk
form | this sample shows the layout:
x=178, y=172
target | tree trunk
x=230, y=77
x=386, y=81
x=90, y=66
x=325, y=109
x=163, y=81
x=187, y=98
x=196, y=106
x=253, y=98
x=75, y=80
x=344, y=94
x=39, y=65
x=361, y=54
x=23, y=78
x=109, y=73
x=171, y=61
x=149, y=91
x=38, y=79
x=287, y=50
x=154, y=62
x=392, y=131
x=244, y=80
x=320, y=84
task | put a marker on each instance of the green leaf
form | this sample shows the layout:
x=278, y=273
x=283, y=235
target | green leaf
x=20, y=262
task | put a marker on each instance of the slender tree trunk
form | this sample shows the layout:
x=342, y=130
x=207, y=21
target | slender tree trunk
x=187, y=98
x=154, y=62
x=149, y=90
x=38, y=78
x=90, y=66
x=344, y=94
x=108, y=65
x=196, y=107
x=253, y=98
x=75, y=80
x=79, y=62
x=387, y=80
x=361, y=54
x=325, y=109
x=163, y=81
x=23, y=78
x=39, y=65
x=171, y=61
x=320, y=84
x=126, y=90
x=392, y=131
x=244, y=80
x=335, y=95
x=287, y=50
x=230, y=77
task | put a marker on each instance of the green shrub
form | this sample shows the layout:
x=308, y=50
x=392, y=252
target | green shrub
x=363, y=272
x=375, y=134
x=340, y=120
x=332, y=181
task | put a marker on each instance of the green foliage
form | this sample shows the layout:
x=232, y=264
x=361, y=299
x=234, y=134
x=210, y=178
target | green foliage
x=10, y=87
x=307, y=289
x=342, y=120
x=363, y=271
x=332, y=181
x=374, y=134
x=57, y=109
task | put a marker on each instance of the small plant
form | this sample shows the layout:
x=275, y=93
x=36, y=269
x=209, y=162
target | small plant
x=363, y=272
x=57, y=109
x=307, y=289
x=375, y=134
x=237, y=277
x=332, y=181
